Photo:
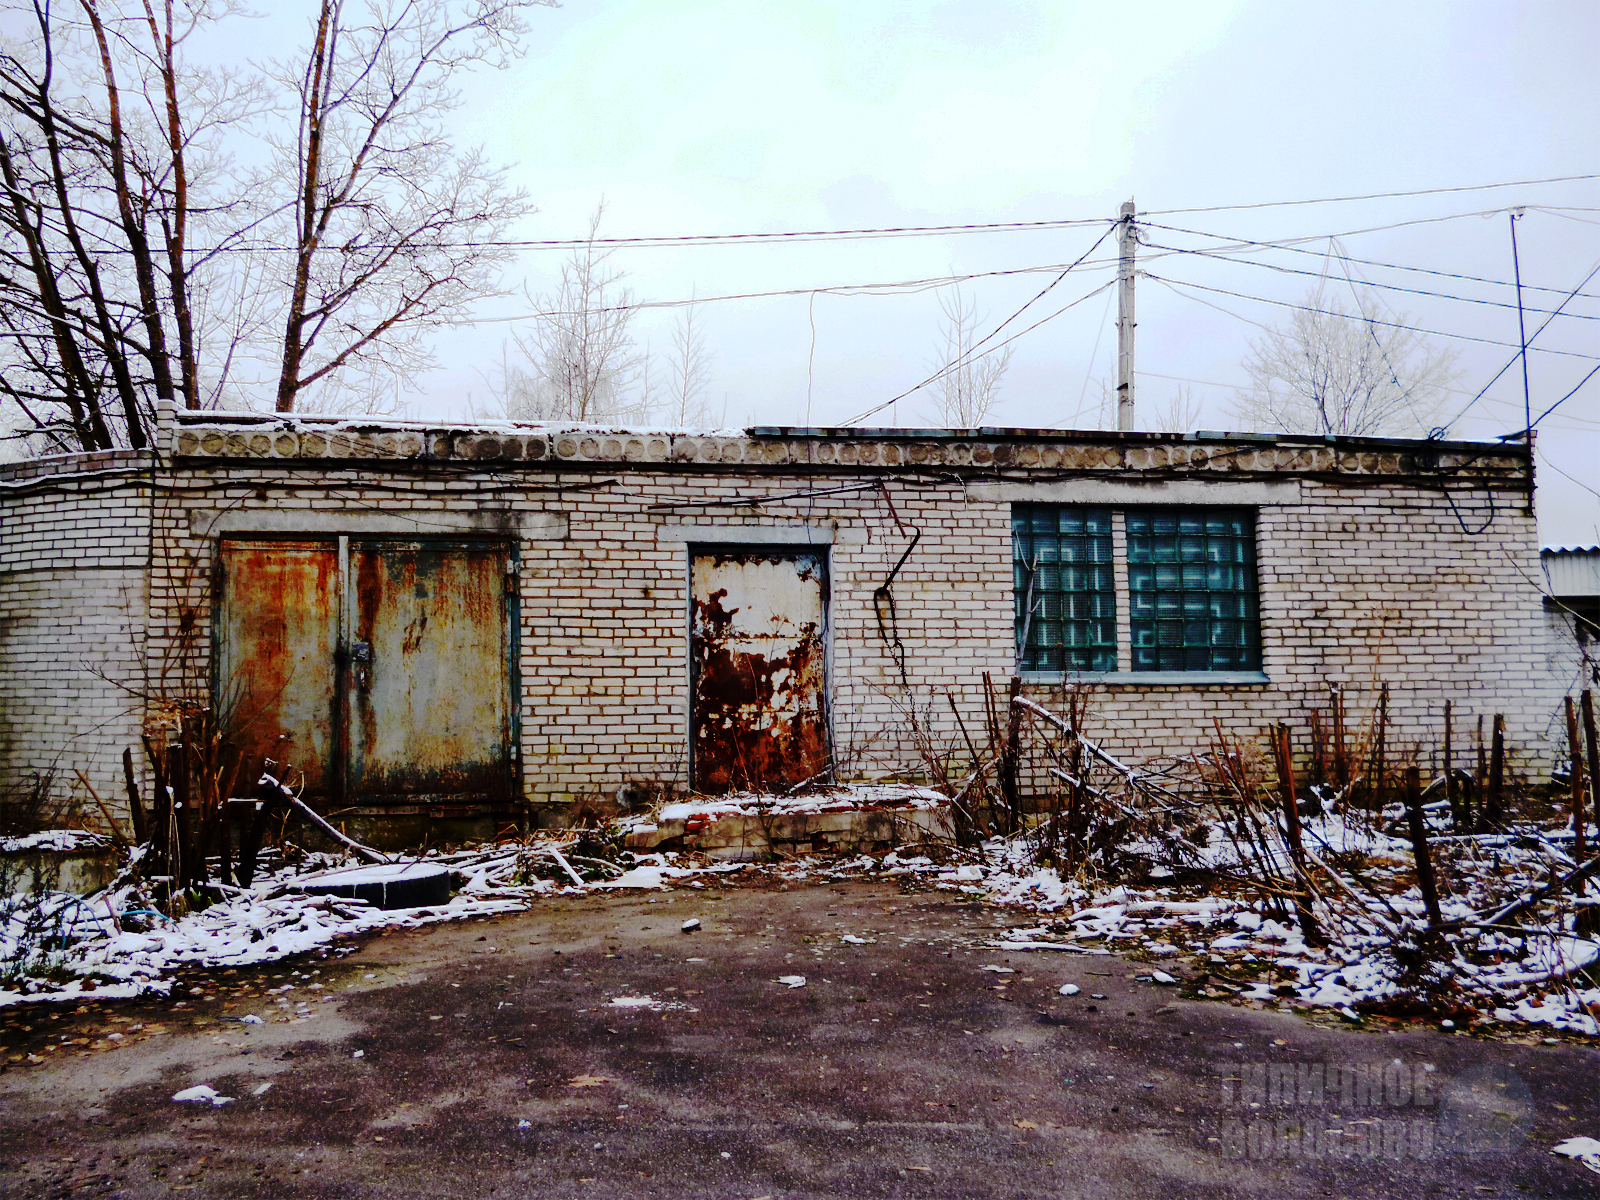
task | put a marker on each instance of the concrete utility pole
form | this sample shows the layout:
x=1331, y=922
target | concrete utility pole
x=1127, y=239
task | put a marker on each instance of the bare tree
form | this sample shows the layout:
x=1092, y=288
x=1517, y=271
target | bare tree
x=1177, y=415
x=393, y=228
x=100, y=122
x=139, y=261
x=580, y=361
x=689, y=371
x=1338, y=371
x=970, y=387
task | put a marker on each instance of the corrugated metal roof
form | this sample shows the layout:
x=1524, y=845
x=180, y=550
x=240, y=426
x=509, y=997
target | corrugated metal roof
x=1574, y=572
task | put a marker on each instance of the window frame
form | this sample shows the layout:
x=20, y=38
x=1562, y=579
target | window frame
x=1071, y=582
x=1123, y=606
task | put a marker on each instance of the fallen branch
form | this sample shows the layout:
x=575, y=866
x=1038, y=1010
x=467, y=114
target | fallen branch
x=1349, y=890
x=1134, y=777
x=1577, y=875
x=565, y=865
x=366, y=852
x=116, y=830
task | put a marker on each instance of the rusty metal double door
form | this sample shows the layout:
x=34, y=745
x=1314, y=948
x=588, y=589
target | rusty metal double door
x=375, y=672
x=758, y=648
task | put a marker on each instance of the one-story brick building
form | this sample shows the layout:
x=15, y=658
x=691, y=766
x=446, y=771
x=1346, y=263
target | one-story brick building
x=470, y=622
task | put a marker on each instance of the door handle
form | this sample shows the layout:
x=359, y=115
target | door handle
x=361, y=664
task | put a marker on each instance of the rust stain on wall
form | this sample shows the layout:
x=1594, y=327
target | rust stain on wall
x=429, y=711
x=278, y=637
x=758, y=648
x=410, y=702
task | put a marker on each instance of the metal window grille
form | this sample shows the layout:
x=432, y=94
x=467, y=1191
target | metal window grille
x=1193, y=604
x=1066, y=598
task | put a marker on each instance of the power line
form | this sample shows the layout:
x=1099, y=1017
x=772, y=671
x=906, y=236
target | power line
x=903, y=287
x=1388, y=287
x=1523, y=349
x=1478, y=187
x=804, y=235
x=915, y=285
x=1545, y=458
x=1224, y=252
x=678, y=240
x=969, y=353
x=869, y=233
x=998, y=346
x=1464, y=337
x=1564, y=399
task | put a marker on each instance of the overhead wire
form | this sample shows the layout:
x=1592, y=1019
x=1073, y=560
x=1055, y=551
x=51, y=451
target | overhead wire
x=1464, y=337
x=903, y=287
x=1290, y=246
x=971, y=352
x=1593, y=372
x=1347, y=259
x=1523, y=349
x=869, y=233
x=1090, y=295
x=1479, y=187
x=1387, y=287
x=1545, y=458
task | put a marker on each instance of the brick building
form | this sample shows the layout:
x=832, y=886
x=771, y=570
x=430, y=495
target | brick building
x=462, y=621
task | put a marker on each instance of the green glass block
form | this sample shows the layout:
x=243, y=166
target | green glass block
x=1068, y=553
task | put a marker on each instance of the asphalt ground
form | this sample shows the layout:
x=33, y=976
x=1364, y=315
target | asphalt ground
x=487, y=1058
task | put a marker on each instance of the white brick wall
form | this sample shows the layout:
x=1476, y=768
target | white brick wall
x=73, y=598
x=1363, y=581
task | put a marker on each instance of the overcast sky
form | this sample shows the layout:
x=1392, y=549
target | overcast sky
x=728, y=118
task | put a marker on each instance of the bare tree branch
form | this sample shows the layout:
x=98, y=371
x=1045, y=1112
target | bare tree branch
x=141, y=262
x=1338, y=371
x=964, y=395
x=580, y=362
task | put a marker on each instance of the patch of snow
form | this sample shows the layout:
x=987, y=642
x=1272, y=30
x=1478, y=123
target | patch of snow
x=201, y=1094
x=375, y=873
x=651, y=877
x=60, y=840
x=840, y=799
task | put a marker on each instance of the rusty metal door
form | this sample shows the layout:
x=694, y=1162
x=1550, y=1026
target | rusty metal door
x=278, y=636
x=758, y=648
x=429, y=706
x=380, y=670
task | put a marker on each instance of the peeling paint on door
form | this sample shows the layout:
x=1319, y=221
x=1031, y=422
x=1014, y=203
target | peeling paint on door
x=385, y=681
x=758, y=649
x=429, y=713
x=278, y=639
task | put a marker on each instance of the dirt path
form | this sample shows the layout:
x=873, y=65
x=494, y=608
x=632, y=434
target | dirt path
x=491, y=1058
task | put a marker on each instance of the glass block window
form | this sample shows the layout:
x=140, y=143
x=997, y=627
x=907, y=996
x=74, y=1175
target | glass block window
x=1192, y=589
x=1066, y=595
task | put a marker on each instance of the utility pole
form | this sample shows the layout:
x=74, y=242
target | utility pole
x=1127, y=239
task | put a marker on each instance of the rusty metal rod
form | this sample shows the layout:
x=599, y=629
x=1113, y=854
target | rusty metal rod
x=1575, y=773
x=1497, y=772
x=1419, y=847
x=141, y=829
x=1594, y=771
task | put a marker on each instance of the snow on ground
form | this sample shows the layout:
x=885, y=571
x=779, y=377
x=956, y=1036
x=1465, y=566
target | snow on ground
x=1246, y=949
x=841, y=799
x=58, y=840
x=115, y=944
x=112, y=945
